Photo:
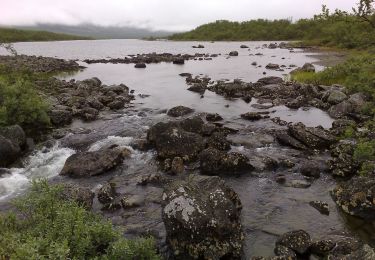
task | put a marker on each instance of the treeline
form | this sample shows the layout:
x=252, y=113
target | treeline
x=17, y=35
x=339, y=30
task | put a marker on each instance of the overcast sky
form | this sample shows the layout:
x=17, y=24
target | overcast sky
x=173, y=15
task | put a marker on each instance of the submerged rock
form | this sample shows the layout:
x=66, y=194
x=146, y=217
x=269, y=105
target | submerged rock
x=202, y=219
x=253, y=116
x=299, y=241
x=86, y=164
x=213, y=117
x=233, y=53
x=140, y=65
x=213, y=162
x=179, y=111
x=322, y=207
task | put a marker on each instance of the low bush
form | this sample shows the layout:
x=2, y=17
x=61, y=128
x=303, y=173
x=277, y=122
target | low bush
x=48, y=227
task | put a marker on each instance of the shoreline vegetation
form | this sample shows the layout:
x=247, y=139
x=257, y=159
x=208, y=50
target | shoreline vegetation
x=17, y=35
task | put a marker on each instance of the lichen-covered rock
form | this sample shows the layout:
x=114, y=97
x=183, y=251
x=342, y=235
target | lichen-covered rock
x=202, y=219
x=83, y=196
x=107, y=193
x=218, y=141
x=312, y=137
x=342, y=163
x=322, y=247
x=177, y=165
x=356, y=197
x=335, y=96
x=299, y=241
x=86, y=164
x=364, y=253
x=285, y=252
x=213, y=162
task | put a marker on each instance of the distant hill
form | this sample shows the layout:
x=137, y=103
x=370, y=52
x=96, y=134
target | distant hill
x=100, y=32
x=18, y=35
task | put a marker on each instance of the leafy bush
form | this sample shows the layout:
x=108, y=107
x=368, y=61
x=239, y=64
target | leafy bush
x=48, y=227
x=21, y=104
x=336, y=29
x=357, y=74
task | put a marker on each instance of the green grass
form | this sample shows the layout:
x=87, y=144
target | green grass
x=48, y=227
x=17, y=35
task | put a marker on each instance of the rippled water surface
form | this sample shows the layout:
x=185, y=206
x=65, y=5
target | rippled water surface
x=269, y=208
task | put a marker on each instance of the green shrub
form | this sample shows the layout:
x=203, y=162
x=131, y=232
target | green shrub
x=48, y=227
x=357, y=74
x=21, y=104
x=364, y=151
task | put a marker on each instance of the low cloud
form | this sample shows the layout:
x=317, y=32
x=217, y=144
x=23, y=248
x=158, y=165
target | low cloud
x=169, y=15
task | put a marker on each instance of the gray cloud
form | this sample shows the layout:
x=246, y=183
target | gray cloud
x=157, y=14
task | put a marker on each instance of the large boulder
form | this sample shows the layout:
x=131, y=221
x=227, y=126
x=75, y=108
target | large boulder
x=202, y=219
x=176, y=142
x=9, y=152
x=86, y=164
x=357, y=197
x=312, y=137
x=15, y=134
x=214, y=161
x=341, y=109
x=335, y=96
x=60, y=117
x=358, y=100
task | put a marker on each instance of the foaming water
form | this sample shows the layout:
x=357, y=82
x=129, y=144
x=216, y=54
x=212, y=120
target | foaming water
x=41, y=164
x=111, y=140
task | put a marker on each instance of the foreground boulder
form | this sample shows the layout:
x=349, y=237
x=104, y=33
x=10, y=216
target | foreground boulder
x=86, y=164
x=357, y=197
x=214, y=161
x=12, y=142
x=202, y=219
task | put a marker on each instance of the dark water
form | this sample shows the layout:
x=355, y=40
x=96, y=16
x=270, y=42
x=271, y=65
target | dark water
x=269, y=209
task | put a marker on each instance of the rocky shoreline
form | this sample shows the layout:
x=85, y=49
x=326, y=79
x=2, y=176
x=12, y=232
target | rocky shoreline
x=184, y=201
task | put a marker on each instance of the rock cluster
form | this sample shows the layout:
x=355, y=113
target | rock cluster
x=82, y=99
x=39, y=64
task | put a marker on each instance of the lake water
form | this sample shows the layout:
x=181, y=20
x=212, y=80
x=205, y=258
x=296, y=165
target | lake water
x=269, y=209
